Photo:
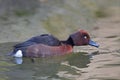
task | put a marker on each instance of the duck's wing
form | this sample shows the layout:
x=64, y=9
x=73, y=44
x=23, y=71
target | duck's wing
x=24, y=44
x=47, y=40
x=43, y=39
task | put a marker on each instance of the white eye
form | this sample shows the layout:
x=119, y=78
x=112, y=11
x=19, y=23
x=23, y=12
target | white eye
x=85, y=37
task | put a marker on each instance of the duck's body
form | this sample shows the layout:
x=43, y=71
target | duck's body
x=47, y=45
x=45, y=39
x=42, y=50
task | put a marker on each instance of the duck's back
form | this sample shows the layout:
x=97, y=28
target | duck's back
x=46, y=39
x=43, y=39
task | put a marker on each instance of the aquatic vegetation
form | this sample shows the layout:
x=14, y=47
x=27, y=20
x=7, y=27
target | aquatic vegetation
x=57, y=25
x=4, y=18
x=21, y=13
x=100, y=13
x=112, y=36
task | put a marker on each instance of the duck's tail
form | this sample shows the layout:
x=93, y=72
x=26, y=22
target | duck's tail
x=16, y=53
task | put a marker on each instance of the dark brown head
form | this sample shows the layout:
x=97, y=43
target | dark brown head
x=81, y=37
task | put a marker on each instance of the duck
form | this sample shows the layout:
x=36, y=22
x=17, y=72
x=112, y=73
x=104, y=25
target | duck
x=47, y=45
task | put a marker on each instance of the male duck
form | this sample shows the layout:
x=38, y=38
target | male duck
x=47, y=45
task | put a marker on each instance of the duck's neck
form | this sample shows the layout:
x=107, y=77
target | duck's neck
x=69, y=41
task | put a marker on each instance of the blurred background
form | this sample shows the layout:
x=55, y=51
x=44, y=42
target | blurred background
x=22, y=19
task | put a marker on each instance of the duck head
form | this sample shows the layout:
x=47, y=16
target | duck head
x=81, y=37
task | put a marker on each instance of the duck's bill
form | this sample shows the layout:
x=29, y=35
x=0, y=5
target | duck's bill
x=92, y=43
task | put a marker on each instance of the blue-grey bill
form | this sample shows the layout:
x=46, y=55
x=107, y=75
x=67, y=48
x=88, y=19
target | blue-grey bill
x=92, y=43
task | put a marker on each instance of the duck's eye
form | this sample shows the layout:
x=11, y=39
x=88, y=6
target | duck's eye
x=85, y=37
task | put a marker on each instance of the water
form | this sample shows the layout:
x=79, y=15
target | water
x=86, y=63
x=92, y=64
x=43, y=68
